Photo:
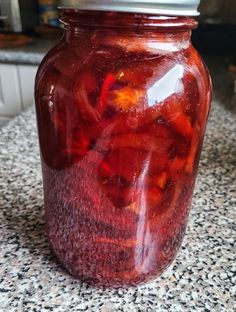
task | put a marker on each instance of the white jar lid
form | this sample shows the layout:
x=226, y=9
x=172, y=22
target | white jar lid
x=160, y=7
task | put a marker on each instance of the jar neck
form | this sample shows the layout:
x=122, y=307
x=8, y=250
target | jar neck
x=171, y=33
x=136, y=21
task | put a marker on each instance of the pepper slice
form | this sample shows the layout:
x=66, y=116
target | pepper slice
x=107, y=85
x=173, y=114
x=192, y=157
x=84, y=86
x=158, y=181
x=125, y=163
x=125, y=99
x=141, y=141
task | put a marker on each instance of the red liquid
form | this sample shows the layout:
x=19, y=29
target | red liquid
x=121, y=128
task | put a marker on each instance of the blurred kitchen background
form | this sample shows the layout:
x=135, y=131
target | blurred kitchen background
x=28, y=29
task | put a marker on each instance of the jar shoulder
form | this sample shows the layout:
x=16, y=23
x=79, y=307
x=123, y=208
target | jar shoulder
x=149, y=77
x=68, y=58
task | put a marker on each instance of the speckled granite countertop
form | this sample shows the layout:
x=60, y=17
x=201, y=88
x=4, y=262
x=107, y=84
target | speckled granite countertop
x=31, y=54
x=202, y=278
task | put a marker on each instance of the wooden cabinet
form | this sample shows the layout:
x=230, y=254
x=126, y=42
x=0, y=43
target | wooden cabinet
x=16, y=89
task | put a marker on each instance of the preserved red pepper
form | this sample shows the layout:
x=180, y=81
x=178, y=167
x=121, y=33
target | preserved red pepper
x=122, y=104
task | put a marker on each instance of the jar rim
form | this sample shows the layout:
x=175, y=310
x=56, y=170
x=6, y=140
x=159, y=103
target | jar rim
x=160, y=7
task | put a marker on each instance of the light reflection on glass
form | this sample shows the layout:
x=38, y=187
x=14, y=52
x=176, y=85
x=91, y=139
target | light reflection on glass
x=166, y=86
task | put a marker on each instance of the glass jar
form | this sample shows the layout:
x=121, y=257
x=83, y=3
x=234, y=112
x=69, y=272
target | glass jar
x=122, y=103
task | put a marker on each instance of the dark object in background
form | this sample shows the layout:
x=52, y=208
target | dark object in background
x=18, y=16
x=29, y=15
x=218, y=11
x=49, y=27
x=10, y=16
x=215, y=38
x=49, y=32
x=24, y=16
x=48, y=12
x=217, y=30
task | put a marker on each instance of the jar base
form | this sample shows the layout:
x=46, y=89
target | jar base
x=108, y=281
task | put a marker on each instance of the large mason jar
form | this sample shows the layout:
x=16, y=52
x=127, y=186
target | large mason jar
x=122, y=103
